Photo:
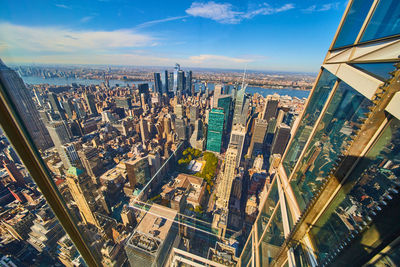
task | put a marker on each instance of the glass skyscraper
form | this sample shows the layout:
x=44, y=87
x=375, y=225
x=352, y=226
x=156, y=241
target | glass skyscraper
x=215, y=129
x=333, y=200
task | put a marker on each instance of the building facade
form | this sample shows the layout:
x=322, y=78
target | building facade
x=334, y=197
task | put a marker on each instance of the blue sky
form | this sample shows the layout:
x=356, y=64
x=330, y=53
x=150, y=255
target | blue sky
x=283, y=35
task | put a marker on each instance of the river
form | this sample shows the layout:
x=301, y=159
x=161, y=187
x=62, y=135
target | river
x=68, y=81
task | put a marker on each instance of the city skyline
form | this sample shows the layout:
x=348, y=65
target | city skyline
x=207, y=34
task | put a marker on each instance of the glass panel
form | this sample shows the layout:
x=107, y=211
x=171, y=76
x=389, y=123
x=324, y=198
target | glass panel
x=311, y=114
x=353, y=23
x=247, y=251
x=272, y=240
x=289, y=214
x=333, y=133
x=268, y=209
x=31, y=234
x=384, y=22
x=300, y=256
x=378, y=70
x=374, y=176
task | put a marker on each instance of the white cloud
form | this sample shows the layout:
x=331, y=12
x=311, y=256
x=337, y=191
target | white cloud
x=153, y=22
x=206, y=59
x=324, y=7
x=226, y=13
x=63, y=6
x=56, y=39
x=86, y=19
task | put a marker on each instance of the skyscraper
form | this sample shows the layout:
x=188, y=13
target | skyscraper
x=188, y=81
x=175, y=78
x=82, y=191
x=281, y=137
x=164, y=81
x=225, y=186
x=258, y=138
x=241, y=108
x=55, y=105
x=215, y=129
x=25, y=106
x=158, y=86
x=238, y=136
x=270, y=108
x=334, y=197
x=181, y=82
x=91, y=103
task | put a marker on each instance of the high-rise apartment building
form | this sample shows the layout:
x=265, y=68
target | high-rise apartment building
x=334, y=197
x=215, y=129
x=25, y=106
x=177, y=68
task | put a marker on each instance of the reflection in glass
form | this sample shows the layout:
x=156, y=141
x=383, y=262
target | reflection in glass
x=374, y=176
x=311, y=114
x=267, y=209
x=272, y=240
x=379, y=70
x=246, y=256
x=384, y=22
x=353, y=22
x=333, y=133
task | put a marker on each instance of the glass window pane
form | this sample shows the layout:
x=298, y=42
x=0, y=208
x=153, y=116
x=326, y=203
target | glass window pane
x=247, y=252
x=333, y=133
x=272, y=240
x=353, y=23
x=311, y=114
x=384, y=22
x=267, y=209
x=31, y=233
x=376, y=173
x=378, y=70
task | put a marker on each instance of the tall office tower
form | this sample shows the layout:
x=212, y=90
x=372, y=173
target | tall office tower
x=179, y=111
x=69, y=108
x=181, y=82
x=144, y=130
x=196, y=140
x=82, y=190
x=69, y=156
x=138, y=171
x=225, y=186
x=90, y=160
x=59, y=133
x=280, y=118
x=167, y=125
x=158, y=86
x=281, y=138
x=225, y=102
x=25, y=106
x=258, y=138
x=270, y=108
x=13, y=172
x=194, y=113
x=91, y=103
x=144, y=89
x=334, y=200
x=171, y=81
x=38, y=97
x=181, y=128
x=215, y=129
x=241, y=108
x=238, y=136
x=188, y=83
x=45, y=231
x=217, y=94
x=175, y=78
x=55, y=105
x=164, y=81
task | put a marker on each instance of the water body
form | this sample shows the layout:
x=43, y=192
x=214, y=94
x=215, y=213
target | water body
x=250, y=89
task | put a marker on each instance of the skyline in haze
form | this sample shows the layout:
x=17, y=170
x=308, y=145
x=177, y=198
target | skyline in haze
x=280, y=35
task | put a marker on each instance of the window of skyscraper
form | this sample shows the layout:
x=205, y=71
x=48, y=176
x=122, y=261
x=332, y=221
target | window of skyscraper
x=313, y=110
x=384, y=22
x=353, y=23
